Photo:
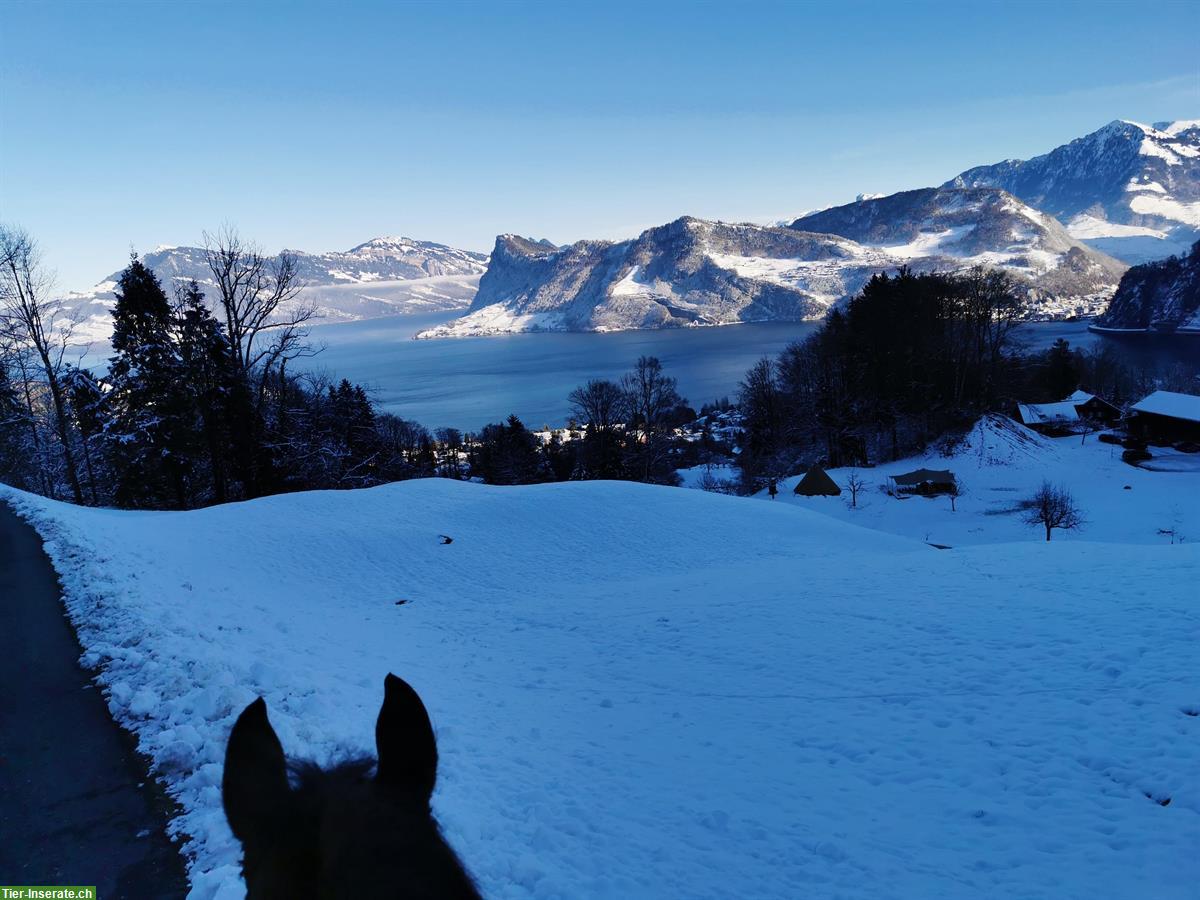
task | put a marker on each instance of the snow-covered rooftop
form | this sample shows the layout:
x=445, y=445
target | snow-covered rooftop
x=1172, y=404
x=1045, y=413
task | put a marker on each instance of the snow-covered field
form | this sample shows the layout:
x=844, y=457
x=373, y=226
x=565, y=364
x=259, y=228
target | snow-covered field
x=1130, y=243
x=1001, y=463
x=656, y=692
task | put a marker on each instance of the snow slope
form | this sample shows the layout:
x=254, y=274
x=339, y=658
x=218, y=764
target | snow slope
x=952, y=228
x=1127, y=189
x=689, y=272
x=1001, y=463
x=693, y=272
x=654, y=692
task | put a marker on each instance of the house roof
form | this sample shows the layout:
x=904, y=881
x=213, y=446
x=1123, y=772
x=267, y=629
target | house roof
x=1170, y=404
x=1080, y=397
x=816, y=482
x=921, y=476
x=1046, y=413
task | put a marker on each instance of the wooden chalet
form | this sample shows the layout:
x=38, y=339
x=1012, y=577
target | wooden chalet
x=1165, y=418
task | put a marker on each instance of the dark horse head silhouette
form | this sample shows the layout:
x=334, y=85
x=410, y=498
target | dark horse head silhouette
x=341, y=832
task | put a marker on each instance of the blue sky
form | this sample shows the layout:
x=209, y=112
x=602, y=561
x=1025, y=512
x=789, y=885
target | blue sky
x=320, y=125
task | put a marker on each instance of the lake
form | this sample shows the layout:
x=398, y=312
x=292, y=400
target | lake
x=467, y=382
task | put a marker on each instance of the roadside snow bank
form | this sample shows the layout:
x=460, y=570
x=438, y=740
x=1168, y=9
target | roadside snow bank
x=646, y=692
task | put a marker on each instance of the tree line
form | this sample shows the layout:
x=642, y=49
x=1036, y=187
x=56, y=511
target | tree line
x=198, y=404
x=911, y=358
x=629, y=433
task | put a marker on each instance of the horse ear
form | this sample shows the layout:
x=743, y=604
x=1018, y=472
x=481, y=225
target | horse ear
x=405, y=742
x=255, y=783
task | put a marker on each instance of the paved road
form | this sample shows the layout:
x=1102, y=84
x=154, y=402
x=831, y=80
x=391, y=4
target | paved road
x=76, y=805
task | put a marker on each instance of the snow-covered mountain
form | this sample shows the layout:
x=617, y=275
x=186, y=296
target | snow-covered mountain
x=694, y=272
x=688, y=272
x=952, y=228
x=1159, y=296
x=1129, y=189
x=385, y=276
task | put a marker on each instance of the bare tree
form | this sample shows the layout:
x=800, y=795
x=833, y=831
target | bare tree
x=957, y=489
x=650, y=397
x=266, y=325
x=710, y=482
x=764, y=415
x=450, y=452
x=602, y=405
x=599, y=403
x=854, y=484
x=650, y=393
x=1088, y=425
x=33, y=320
x=1053, y=507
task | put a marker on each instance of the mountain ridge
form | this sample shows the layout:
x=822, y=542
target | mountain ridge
x=694, y=272
x=1129, y=189
x=382, y=276
x=1159, y=296
x=957, y=227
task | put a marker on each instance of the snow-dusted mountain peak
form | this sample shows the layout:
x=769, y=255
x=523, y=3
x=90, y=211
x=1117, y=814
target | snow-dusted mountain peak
x=693, y=272
x=951, y=228
x=1129, y=189
x=384, y=276
x=1178, y=127
x=687, y=272
x=400, y=244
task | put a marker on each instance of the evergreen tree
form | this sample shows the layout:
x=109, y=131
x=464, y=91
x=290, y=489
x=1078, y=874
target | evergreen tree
x=87, y=403
x=1060, y=375
x=214, y=383
x=559, y=460
x=351, y=428
x=507, y=454
x=151, y=436
x=909, y=358
x=14, y=428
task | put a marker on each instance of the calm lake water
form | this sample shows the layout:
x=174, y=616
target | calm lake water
x=466, y=383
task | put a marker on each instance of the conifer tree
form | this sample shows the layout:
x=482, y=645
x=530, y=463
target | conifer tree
x=151, y=436
x=87, y=403
x=1060, y=376
x=213, y=380
x=14, y=425
x=507, y=454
